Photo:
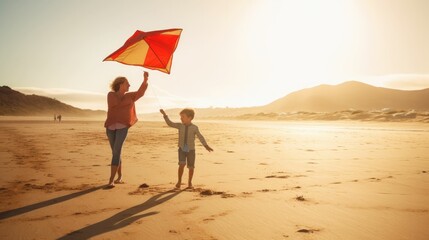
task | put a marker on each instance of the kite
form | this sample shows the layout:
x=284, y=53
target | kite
x=153, y=50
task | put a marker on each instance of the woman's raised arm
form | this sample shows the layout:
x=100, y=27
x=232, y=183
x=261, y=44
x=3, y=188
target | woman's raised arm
x=143, y=87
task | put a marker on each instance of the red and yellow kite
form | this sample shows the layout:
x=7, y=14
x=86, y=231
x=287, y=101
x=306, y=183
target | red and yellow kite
x=153, y=50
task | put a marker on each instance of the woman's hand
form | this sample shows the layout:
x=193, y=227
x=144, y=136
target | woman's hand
x=145, y=76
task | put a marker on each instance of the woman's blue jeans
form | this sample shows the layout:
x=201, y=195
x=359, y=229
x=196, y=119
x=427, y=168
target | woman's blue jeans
x=116, y=140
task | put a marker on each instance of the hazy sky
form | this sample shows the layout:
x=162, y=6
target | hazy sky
x=231, y=53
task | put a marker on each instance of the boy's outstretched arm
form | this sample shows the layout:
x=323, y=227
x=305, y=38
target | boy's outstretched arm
x=168, y=121
x=203, y=141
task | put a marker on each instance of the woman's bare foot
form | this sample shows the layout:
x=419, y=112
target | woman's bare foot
x=119, y=181
x=178, y=185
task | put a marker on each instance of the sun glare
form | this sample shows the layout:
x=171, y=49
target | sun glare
x=303, y=41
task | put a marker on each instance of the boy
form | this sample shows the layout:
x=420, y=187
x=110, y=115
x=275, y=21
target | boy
x=187, y=132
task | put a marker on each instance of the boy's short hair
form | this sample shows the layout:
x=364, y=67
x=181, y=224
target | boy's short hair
x=188, y=112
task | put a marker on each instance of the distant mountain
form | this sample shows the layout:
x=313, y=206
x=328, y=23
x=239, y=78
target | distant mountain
x=14, y=103
x=349, y=100
x=350, y=95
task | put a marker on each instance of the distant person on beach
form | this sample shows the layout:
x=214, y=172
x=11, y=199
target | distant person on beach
x=59, y=117
x=55, y=117
x=121, y=115
x=186, y=151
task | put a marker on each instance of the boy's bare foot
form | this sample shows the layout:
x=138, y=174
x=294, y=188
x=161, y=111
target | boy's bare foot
x=190, y=186
x=178, y=185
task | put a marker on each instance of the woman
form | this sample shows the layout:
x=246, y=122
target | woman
x=121, y=115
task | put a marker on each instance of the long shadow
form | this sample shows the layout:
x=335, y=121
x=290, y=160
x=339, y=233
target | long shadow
x=121, y=219
x=35, y=206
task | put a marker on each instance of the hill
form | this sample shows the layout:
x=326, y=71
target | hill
x=14, y=103
x=347, y=101
x=350, y=95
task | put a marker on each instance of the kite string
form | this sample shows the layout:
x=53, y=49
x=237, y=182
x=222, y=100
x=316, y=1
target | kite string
x=154, y=92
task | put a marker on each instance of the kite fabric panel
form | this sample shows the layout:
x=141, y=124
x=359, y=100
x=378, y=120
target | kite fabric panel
x=152, y=50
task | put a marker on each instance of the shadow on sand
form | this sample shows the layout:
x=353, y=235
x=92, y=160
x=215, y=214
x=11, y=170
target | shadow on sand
x=35, y=206
x=123, y=218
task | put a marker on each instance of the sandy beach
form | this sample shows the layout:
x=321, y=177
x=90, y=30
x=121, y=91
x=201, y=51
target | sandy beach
x=264, y=180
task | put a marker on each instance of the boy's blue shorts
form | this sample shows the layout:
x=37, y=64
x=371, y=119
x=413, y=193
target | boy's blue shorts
x=187, y=158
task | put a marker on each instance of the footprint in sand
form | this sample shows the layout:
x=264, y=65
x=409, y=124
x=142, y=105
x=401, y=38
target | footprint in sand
x=275, y=176
x=300, y=198
x=208, y=192
x=304, y=230
x=300, y=175
x=41, y=218
x=154, y=189
x=87, y=213
x=213, y=217
x=266, y=190
x=246, y=194
x=228, y=195
x=336, y=183
x=373, y=179
x=189, y=211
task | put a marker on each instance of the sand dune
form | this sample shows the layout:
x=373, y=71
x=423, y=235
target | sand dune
x=265, y=180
